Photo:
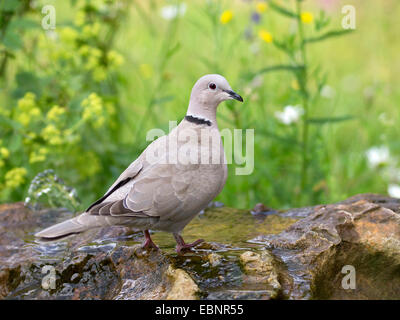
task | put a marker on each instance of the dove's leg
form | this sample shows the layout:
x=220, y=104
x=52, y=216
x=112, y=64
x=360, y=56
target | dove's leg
x=148, y=243
x=181, y=246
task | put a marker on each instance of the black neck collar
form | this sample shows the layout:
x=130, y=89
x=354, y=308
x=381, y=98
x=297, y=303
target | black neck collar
x=198, y=120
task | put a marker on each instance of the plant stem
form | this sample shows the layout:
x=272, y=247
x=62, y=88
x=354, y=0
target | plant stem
x=302, y=78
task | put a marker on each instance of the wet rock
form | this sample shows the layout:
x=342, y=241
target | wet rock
x=277, y=257
x=215, y=259
x=299, y=212
x=361, y=233
x=183, y=287
x=109, y=263
x=123, y=273
x=259, y=268
x=16, y=215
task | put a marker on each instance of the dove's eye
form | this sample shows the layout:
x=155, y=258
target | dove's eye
x=212, y=86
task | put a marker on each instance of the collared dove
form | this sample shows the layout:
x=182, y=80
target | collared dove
x=171, y=181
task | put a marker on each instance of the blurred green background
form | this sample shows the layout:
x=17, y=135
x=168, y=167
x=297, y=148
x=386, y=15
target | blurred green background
x=324, y=102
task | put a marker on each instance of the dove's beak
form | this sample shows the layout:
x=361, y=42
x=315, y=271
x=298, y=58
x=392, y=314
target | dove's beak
x=234, y=95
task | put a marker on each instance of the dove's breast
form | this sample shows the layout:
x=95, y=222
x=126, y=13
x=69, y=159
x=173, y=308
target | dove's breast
x=199, y=175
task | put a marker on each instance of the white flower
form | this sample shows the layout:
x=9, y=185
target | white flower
x=290, y=114
x=377, y=156
x=254, y=48
x=394, y=190
x=172, y=11
x=388, y=121
x=327, y=92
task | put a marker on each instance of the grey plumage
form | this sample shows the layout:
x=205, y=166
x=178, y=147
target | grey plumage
x=155, y=191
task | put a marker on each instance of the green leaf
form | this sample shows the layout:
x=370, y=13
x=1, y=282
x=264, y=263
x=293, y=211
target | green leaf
x=322, y=21
x=327, y=35
x=7, y=122
x=9, y=5
x=282, y=10
x=173, y=50
x=12, y=40
x=294, y=69
x=24, y=23
x=27, y=82
x=287, y=45
x=15, y=143
x=320, y=121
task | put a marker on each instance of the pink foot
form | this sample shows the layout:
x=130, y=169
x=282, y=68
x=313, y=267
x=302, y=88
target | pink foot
x=183, y=247
x=148, y=243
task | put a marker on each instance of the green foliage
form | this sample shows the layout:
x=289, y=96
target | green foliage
x=79, y=99
x=65, y=99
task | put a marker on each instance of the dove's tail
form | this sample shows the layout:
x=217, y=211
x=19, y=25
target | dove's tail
x=70, y=227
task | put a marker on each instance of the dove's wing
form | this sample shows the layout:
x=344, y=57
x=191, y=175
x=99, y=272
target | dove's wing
x=159, y=191
x=163, y=191
x=127, y=176
x=160, y=188
x=146, y=186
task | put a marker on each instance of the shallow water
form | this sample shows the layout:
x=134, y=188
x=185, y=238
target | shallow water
x=232, y=229
x=227, y=233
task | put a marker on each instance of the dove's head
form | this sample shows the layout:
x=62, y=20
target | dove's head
x=210, y=90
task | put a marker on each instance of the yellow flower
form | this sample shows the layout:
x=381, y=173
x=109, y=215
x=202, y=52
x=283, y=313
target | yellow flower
x=4, y=153
x=93, y=110
x=52, y=135
x=84, y=50
x=265, y=36
x=15, y=177
x=38, y=156
x=146, y=70
x=80, y=18
x=226, y=16
x=27, y=109
x=70, y=136
x=114, y=58
x=55, y=113
x=91, y=30
x=94, y=56
x=99, y=74
x=68, y=34
x=261, y=6
x=35, y=112
x=30, y=136
x=27, y=101
x=61, y=54
x=306, y=17
x=23, y=118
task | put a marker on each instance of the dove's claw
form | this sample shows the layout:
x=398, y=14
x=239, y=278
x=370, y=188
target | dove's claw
x=148, y=243
x=183, y=247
